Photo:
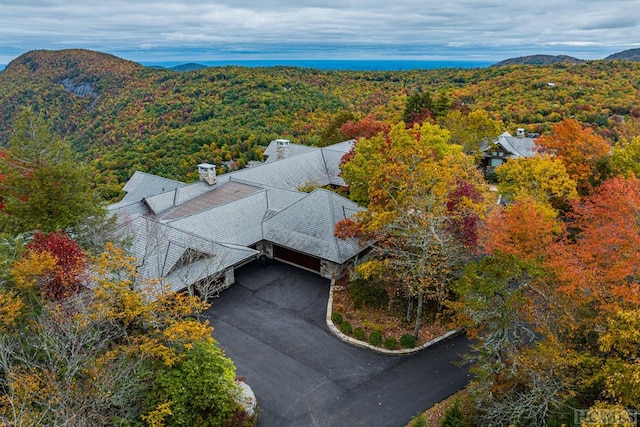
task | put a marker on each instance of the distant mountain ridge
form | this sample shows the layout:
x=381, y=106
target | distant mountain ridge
x=538, y=60
x=188, y=67
x=626, y=55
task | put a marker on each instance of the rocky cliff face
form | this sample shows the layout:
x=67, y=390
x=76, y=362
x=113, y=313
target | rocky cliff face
x=81, y=89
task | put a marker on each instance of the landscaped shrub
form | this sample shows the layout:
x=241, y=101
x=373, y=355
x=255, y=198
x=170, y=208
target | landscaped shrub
x=391, y=343
x=453, y=416
x=419, y=421
x=201, y=388
x=359, y=334
x=346, y=328
x=369, y=293
x=336, y=318
x=375, y=338
x=407, y=341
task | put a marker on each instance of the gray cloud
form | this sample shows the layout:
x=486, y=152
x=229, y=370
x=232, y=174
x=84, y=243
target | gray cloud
x=148, y=30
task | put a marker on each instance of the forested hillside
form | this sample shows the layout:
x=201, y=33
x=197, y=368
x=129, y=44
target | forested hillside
x=124, y=117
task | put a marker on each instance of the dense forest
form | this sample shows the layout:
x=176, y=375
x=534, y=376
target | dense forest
x=122, y=117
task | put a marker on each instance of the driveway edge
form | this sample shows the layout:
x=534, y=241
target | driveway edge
x=402, y=352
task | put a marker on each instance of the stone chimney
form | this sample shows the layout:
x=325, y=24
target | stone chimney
x=207, y=173
x=282, y=149
x=520, y=133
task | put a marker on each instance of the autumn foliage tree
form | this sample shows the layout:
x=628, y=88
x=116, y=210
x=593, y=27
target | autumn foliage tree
x=366, y=127
x=579, y=298
x=625, y=157
x=424, y=198
x=523, y=229
x=470, y=130
x=543, y=178
x=69, y=272
x=599, y=265
x=124, y=351
x=580, y=150
x=43, y=186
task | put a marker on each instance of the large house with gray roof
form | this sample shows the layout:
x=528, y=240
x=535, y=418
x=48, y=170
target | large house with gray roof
x=507, y=147
x=188, y=234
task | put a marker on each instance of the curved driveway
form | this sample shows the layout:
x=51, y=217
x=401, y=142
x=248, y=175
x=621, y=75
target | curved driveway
x=271, y=322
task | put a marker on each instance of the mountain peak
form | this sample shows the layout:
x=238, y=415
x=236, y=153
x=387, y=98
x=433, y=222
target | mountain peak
x=626, y=55
x=538, y=60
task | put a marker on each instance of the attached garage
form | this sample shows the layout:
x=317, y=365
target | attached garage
x=296, y=258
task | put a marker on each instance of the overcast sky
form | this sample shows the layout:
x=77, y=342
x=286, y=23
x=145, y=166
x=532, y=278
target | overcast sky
x=192, y=30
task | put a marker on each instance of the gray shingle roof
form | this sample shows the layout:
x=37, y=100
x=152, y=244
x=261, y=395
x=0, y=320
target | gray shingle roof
x=289, y=173
x=517, y=147
x=294, y=150
x=158, y=247
x=142, y=185
x=170, y=220
x=308, y=226
x=220, y=194
x=237, y=222
x=311, y=165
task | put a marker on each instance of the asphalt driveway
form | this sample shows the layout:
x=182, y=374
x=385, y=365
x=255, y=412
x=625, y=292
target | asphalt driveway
x=271, y=322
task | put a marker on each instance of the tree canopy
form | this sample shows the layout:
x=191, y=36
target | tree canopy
x=43, y=186
x=424, y=197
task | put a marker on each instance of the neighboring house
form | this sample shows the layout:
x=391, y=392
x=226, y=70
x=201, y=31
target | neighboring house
x=188, y=234
x=507, y=147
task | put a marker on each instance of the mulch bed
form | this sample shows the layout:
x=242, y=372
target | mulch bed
x=390, y=323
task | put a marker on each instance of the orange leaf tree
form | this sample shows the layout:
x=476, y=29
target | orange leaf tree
x=523, y=229
x=600, y=264
x=580, y=150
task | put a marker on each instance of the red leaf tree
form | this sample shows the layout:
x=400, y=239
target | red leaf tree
x=71, y=263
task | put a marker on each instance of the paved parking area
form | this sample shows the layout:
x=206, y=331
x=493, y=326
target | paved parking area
x=271, y=322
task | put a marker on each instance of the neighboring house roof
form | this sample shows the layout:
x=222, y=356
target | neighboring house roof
x=514, y=146
x=169, y=219
x=308, y=226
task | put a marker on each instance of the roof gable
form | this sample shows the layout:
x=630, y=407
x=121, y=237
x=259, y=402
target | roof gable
x=179, y=257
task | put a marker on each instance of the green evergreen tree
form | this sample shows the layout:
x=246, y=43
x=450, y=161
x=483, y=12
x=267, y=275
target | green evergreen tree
x=43, y=186
x=419, y=105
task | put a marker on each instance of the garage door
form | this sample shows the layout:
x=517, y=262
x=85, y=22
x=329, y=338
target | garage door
x=297, y=258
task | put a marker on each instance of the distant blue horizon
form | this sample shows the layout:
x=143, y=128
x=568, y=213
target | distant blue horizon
x=335, y=64
x=331, y=64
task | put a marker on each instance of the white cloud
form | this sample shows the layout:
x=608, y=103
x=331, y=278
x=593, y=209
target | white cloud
x=495, y=29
